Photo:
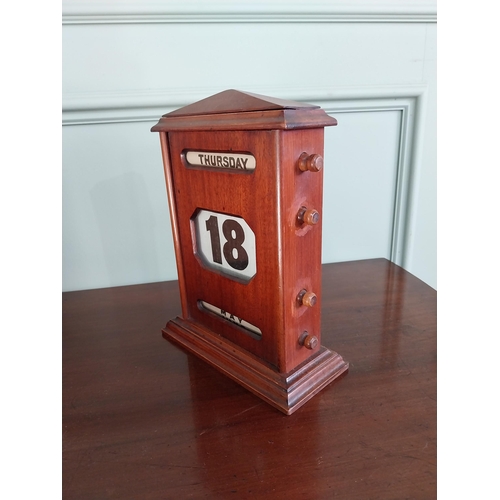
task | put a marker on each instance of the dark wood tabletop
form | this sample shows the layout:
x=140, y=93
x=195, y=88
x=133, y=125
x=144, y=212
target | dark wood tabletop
x=142, y=419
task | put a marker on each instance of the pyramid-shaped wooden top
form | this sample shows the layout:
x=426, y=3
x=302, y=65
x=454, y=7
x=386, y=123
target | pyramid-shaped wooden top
x=236, y=110
x=234, y=101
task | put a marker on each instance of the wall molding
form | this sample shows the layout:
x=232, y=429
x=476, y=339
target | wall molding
x=139, y=106
x=410, y=100
x=257, y=11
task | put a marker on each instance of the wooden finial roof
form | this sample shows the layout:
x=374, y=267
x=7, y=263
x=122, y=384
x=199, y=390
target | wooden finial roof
x=236, y=110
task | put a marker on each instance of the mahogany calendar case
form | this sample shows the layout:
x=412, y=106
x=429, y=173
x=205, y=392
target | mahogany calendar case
x=244, y=177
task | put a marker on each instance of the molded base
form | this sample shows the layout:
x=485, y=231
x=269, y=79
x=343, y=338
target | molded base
x=286, y=392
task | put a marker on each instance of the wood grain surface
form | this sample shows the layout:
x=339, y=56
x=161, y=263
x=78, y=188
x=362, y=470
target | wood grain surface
x=142, y=419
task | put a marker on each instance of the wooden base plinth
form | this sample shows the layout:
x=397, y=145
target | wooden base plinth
x=286, y=392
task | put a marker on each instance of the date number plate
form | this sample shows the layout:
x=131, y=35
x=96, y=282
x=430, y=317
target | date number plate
x=225, y=244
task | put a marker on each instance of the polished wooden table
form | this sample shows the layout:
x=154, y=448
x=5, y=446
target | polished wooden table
x=142, y=419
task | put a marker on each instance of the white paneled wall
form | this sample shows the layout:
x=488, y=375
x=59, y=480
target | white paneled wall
x=369, y=64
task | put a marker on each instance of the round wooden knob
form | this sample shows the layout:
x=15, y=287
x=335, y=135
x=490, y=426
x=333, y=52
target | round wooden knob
x=306, y=298
x=311, y=217
x=311, y=163
x=308, y=341
x=308, y=216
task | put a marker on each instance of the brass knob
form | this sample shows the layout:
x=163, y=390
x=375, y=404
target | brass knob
x=311, y=163
x=308, y=216
x=306, y=298
x=308, y=341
